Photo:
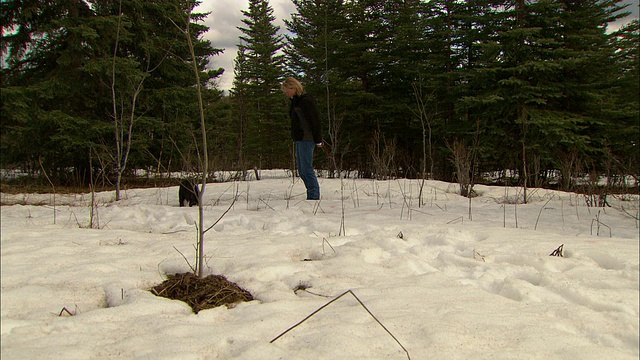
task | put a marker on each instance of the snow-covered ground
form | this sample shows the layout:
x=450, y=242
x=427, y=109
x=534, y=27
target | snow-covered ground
x=447, y=283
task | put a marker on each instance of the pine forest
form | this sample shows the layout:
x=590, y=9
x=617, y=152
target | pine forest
x=516, y=92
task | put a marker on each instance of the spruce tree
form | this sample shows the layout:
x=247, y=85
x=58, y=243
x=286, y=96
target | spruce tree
x=47, y=101
x=59, y=80
x=333, y=50
x=259, y=72
x=623, y=115
x=580, y=73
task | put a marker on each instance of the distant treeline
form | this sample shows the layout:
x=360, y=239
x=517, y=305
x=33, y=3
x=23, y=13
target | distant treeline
x=438, y=89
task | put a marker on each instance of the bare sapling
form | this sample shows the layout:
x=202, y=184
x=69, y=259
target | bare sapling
x=204, y=158
x=540, y=212
x=288, y=193
x=389, y=193
x=406, y=199
x=504, y=207
x=93, y=211
x=335, y=123
x=342, y=230
x=525, y=176
x=461, y=159
x=375, y=187
x=124, y=99
x=203, y=171
x=53, y=188
x=515, y=208
x=596, y=194
x=383, y=153
x=598, y=223
x=427, y=145
x=567, y=162
x=357, y=196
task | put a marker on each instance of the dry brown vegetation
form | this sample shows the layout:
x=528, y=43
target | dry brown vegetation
x=202, y=293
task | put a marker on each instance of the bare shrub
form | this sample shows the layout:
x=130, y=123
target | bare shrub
x=383, y=153
x=462, y=159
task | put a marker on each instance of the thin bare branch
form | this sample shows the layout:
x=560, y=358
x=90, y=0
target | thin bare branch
x=331, y=302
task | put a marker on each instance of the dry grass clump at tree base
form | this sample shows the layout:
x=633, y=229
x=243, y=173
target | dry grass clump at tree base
x=202, y=293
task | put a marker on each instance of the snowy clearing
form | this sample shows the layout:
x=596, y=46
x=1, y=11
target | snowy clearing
x=446, y=284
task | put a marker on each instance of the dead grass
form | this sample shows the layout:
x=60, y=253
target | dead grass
x=202, y=293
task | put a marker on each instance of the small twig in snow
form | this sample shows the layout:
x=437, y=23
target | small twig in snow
x=324, y=240
x=540, y=212
x=269, y=206
x=456, y=219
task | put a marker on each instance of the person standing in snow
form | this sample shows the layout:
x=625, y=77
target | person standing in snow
x=306, y=132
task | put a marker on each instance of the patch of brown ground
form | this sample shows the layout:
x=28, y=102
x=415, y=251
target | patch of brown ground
x=202, y=293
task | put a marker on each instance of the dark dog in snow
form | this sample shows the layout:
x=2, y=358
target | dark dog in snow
x=188, y=192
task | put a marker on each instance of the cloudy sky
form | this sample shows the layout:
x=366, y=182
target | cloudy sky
x=226, y=16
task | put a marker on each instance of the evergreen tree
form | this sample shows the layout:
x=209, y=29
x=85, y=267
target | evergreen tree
x=526, y=85
x=74, y=66
x=333, y=51
x=47, y=102
x=402, y=56
x=567, y=119
x=259, y=72
x=312, y=52
x=623, y=133
x=542, y=87
x=440, y=83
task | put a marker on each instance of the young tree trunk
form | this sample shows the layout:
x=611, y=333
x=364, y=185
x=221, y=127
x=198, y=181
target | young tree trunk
x=123, y=125
x=205, y=157
x=525, y=174
x=462, y=161
x=116, y=130
x=426, y=137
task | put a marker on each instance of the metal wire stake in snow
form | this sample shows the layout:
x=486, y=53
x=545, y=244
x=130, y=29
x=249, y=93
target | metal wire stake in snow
x=335, y=299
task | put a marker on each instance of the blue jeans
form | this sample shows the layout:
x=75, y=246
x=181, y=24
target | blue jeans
x=304, y=160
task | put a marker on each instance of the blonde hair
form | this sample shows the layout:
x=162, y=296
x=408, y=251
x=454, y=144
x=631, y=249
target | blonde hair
x=291, y=83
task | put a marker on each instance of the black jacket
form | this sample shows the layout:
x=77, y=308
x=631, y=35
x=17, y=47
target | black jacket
x=305, y=124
